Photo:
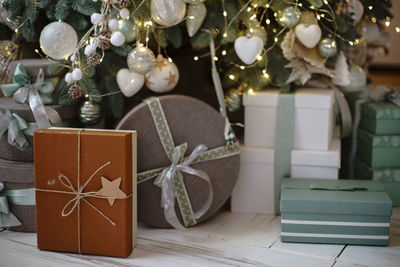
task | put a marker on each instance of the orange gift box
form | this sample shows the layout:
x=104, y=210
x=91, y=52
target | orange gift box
x=85, y=184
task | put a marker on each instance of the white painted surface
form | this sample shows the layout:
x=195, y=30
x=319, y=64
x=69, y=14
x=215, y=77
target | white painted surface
x=313, y=107
x=228, y=239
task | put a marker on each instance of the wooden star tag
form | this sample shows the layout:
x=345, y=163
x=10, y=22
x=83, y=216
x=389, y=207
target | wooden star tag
x=111, y=189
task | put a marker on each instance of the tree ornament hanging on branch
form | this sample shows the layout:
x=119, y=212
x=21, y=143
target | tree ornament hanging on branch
x=129, y=82
x=248, y=48
x=289, y=17
x=167, y=12
x=356, y=10
x=141, y=59
x=327, y=47
x=90, y=113
x=58, y=40
x=163, y=77
x=308, y=34
x=196, y=13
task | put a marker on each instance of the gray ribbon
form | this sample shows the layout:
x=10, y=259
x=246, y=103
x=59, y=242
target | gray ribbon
x=167, y=177
x=29, y=93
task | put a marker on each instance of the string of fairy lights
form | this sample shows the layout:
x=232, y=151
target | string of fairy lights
x=325, y=14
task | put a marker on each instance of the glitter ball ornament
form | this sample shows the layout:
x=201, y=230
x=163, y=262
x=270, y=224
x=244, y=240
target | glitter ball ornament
x=94, y=59
x=128, y=29
x=103, y=42
x=167, y=12
x=327, y=47
x=58, y=40
x=163, y=77
x=140, y=60
x=233, y=100
x=90, y=113
x=289, y=16
x=75, y=91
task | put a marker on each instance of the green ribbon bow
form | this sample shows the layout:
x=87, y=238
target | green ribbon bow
x=170, y=178
x=16, y=128
x=35, y=94
x=16, y=197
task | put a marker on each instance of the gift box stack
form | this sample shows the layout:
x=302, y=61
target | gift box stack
x=17, y=124
x=378, y=146
x=315, y=152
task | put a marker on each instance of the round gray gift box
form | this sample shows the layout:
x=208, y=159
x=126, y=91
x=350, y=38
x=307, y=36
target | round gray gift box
x=193, y=122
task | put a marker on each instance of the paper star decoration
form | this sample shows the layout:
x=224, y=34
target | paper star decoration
x=111, y=189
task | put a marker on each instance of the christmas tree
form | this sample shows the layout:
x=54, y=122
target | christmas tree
x=258, y=43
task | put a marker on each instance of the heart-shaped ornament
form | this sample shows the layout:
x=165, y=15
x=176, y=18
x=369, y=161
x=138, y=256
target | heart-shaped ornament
x=129, y=82
x=248, y=48
x=308, y=34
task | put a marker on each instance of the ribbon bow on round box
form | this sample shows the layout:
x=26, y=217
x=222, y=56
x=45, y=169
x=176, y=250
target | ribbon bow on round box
x=186, y=168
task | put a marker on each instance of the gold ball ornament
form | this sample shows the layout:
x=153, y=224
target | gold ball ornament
x=327, y=47
x=90, y=113
x=128, y=29
x=141, y=60
x=58, y=40
x=167, y=12
x=163, y=77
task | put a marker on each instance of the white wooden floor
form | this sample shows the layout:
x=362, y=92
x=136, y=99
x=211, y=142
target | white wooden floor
x=229, y=239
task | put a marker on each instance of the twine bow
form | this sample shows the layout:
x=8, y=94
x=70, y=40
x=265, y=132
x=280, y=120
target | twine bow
x=80, y=195
x=23, y=91
x=170, y=178
x=378, y=94
x=17, y=197
x=16, y=128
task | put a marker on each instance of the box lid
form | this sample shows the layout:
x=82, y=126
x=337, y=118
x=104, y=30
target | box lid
x=347, y=197
x=304, y=98
x=381, y=110
x=378, y=140
x=330, y=158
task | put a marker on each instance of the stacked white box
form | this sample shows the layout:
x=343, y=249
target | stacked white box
x=254, y=190
x=315, y=154
x=313, y=107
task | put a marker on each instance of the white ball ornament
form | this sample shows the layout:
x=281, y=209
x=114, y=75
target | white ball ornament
x=124, y=13
x=77, y=74
x=90, y=49
x=58, y=40
x=117, y=38
x=248, y=48
x=129, y=82
x=68, y=78
x=113, y=24
x=163, y=77
x=167, y=12
x=96, y=18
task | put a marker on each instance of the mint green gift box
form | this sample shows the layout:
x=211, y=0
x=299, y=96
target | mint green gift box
x=380, y=118
x=378, y=151
x=335, y=212
x=389, y=177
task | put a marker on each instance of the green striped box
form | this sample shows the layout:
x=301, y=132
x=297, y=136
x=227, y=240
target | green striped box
x=389, y=177
x=335, y=212
x=378, y=151
x=380, y=118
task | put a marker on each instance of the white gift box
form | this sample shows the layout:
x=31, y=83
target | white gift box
x=254, y=190
x=313, y=118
